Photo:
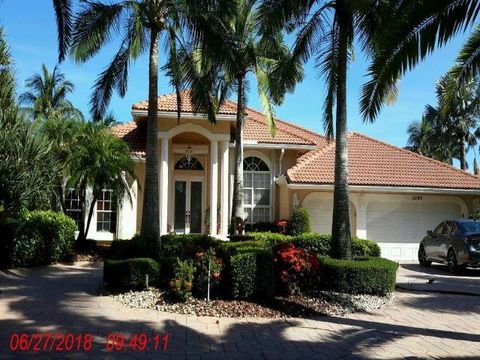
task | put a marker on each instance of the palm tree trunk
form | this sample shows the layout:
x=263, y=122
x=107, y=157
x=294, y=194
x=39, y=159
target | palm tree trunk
x=342, y=247
x=90, y=215
x=463, y=153
x=82, y=235
x=150, y=231
x=237, y=201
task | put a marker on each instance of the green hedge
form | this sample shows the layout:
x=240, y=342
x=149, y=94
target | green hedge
x=359, y=276
x=41, y=238
x=320, y=244
x=123, y=249
x=129, y=273
x=252, y=274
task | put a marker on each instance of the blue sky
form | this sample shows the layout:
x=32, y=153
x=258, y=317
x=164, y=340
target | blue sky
x=31, y=35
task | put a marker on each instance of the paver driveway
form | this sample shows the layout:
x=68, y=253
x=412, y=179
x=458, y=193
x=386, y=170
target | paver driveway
x=64, y=299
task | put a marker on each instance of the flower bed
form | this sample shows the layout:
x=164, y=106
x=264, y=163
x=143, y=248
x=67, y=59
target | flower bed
x=282, y=271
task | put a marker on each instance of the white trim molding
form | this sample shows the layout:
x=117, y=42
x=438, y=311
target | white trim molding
x=190, y=127
x=383, y=189
x=257, y=145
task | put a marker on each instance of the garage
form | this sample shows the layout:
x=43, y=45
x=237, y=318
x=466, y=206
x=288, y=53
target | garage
x=398, y=225
x=320, y=209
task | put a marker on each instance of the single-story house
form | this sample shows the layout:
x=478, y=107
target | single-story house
x=396, y=195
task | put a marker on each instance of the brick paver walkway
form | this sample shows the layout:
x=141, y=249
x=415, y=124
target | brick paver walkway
x=64, y=299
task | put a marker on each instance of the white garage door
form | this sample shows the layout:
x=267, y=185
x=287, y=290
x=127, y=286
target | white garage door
x=320, y=209
x=398, y=227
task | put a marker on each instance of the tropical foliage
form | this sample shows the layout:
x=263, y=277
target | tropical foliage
x=138, y=25
x=450, y=129
x=216, y=72
x=100, y=161
x=46, y=95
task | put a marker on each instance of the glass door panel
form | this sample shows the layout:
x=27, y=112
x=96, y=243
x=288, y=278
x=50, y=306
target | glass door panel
x=196, y=207
x=180, y=206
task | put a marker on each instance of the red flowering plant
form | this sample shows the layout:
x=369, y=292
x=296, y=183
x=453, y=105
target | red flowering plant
x=295, y=269
x=202, y=261
x=282, y=226
x=181, y=284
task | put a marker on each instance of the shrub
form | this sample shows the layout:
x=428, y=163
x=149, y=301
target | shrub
x=186, y=246
x=41, y=238
x=299, y=222
x=129, y=273
x=314, y=243
x=252, y=274
x=123, y=249
x=282, y=226
x=201, y=263
x=359, y=276
x=181, y=284
x=295, y=269
x=363, y=247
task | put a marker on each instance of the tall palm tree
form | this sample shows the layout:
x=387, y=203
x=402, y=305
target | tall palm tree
x=396, y=35
x=100, y=161
x=138, y=24
x=419, y=137
x=7, y=80
x=460, y=105
x=242, y=53
x=47, y=95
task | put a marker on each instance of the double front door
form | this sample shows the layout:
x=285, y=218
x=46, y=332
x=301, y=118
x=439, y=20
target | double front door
x=188, y=206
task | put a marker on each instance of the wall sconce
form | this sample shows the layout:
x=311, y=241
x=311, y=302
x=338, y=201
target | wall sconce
x=189, y=153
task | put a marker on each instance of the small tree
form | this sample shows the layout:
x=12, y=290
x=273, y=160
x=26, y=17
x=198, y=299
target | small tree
x=99, y=161
x=299, y=222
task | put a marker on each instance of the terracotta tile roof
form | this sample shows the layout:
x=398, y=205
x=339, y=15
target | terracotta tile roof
x=168, y=102
x=372, y=162
x=255, y=128
x=134, y=135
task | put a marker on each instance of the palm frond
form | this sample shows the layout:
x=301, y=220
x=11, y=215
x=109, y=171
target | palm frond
x=418, y=29
x=468, y=60
x=64, y=15
x=94, y=25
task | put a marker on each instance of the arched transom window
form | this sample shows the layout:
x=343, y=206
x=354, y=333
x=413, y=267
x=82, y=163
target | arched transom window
x=256, y=190
x=184, y=164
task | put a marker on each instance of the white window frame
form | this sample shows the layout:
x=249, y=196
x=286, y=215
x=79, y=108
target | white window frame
x=252, y=204
x=113, y=210
x=69, y=200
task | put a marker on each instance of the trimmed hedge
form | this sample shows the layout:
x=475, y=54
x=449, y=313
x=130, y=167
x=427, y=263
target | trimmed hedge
x=359, y=276
x=129, y=273
x=42, y=238
x=299, y=222
x=123, y=249
x=320, y=244
x=252, y=275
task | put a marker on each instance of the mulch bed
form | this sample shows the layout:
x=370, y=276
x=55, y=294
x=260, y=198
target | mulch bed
x=318, y=304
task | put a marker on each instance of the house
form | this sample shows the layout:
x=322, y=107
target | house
x=396, y=195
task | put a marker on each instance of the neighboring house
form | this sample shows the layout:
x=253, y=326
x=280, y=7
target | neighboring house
x=396, y=195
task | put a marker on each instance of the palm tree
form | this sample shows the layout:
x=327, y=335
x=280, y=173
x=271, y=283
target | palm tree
x=460, y=104
x=139, y=25
x=225, y=70
x=419, y=137
x=47, y=93
x=100, y=161
x=396, y=35
x=63, y=15
x=7, y=81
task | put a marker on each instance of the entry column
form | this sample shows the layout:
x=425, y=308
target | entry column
x=224, y=188
x=213, y=186
x=164, y=187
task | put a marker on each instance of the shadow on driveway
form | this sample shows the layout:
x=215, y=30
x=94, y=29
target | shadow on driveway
x=65, y=299
x=416, y=277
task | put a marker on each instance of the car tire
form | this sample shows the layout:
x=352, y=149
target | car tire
x=422, y=257
x=453, y=266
